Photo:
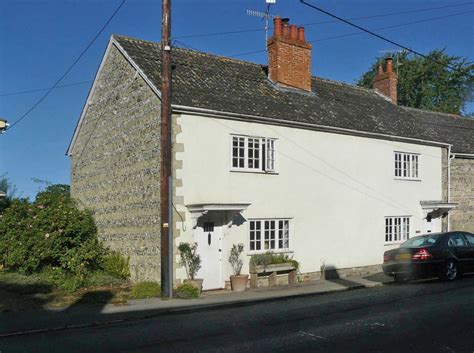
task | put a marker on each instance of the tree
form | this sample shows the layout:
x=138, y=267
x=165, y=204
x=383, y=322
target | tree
x=424, y=84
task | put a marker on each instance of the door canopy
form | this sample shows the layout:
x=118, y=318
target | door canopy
x=436, y=209
x=229, y=210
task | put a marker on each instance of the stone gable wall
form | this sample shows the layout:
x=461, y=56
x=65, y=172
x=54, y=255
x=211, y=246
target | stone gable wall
x=462, y=192
x=115, y=165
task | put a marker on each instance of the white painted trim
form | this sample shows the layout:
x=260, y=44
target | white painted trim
x=259, y=119
x=113, y=42
x=139, y=70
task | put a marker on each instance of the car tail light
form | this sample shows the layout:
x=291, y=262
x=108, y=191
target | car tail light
x=386, y=258
x=422, y=254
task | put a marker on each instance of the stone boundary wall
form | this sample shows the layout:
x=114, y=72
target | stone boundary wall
x=115, y=165
x=462, y=192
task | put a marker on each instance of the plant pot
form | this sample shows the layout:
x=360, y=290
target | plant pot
x=239, y=283
x=197, y=282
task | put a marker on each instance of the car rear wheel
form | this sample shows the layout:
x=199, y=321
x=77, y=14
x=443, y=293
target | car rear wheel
x=449, y=271
x=401, y=278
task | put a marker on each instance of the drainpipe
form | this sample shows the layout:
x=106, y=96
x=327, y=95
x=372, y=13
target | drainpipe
x=449, y=182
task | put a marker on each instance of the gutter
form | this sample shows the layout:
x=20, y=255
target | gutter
x=308, y=126
x=449, y=186
x=462, y=155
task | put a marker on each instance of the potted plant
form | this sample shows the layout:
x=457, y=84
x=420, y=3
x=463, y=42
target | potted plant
x=238, y=281
x=191, y=261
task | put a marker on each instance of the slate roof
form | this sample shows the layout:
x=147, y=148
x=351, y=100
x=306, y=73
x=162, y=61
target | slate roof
x=208, y=81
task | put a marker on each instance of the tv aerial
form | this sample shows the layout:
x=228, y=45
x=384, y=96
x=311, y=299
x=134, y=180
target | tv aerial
x=265, y=16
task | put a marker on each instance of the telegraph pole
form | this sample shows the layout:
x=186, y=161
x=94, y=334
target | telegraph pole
x=165, y=185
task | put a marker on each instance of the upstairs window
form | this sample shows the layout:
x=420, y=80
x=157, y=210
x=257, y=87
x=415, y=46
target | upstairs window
x=253, y=153
x=397, y=229
x=406, y=165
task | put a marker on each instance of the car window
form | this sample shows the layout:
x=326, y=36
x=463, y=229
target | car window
x=456, y=240
x=470, y=238
x=423, y=240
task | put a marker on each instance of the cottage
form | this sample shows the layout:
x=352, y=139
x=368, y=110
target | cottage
x=268, y=156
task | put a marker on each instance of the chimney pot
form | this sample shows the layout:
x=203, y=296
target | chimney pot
x=286, y=30
x=388, y=64
x=277, y=27
x=293, y=32
x=380, y=69
x=301, y=34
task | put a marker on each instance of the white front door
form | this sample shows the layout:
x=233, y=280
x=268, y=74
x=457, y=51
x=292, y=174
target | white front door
x=431, y=225
x=208, y=234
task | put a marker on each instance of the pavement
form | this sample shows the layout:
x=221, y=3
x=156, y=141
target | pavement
x=85, y=315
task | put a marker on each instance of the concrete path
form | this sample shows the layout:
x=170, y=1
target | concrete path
x=83, y=315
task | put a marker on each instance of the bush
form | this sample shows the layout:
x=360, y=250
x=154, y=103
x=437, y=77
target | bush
x=50, y=232
x=116, y=265
x=187, y=291
x=269, y=259
x=190, y=259
x=146, y=289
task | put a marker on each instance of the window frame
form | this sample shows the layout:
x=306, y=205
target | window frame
x=403, y=232
x=276, y=229
x=407, y=166
x=263, y=157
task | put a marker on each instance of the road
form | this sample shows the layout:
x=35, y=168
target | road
x=427, y=316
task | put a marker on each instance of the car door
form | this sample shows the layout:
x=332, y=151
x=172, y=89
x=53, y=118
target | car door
x=459, y=248
x=469, y=237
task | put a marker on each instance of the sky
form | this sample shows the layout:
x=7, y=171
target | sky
x=40, y=39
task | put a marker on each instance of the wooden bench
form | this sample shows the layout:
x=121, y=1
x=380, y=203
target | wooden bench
x=272, y=270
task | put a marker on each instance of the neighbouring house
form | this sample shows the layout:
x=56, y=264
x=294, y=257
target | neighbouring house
x=268, y=156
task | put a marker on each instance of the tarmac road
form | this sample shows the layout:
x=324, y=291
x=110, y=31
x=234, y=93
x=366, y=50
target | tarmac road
x=428, y=316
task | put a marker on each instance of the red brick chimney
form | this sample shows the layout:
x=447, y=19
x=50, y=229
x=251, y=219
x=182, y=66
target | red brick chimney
x=289, y=56
x=386, y=82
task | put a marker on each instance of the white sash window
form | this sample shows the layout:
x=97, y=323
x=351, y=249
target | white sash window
x=253, y=153
x=406, y=165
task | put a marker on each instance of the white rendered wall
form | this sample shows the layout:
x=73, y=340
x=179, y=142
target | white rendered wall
x=336, y=189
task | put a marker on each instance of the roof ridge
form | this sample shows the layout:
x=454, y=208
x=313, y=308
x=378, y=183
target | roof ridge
x=450, y=115
x=199, y=52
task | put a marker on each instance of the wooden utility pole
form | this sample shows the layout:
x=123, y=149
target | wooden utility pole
x=165, y=187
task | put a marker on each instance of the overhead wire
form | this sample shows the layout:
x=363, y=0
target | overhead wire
x=257, y=51
x=382, y=37
x=362, y=32
x=211, y=34
x=43, y=97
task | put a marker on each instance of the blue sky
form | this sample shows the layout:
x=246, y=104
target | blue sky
x=41, y=38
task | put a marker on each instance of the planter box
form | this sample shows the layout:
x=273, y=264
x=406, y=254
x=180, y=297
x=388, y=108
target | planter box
x=272, y=270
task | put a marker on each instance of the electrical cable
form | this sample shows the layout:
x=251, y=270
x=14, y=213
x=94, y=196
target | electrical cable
x=257, y=51
x=69, y=68
x=361, y=32
x=381, y=37
x=211, y=34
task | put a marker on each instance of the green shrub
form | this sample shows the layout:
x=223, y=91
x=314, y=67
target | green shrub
x=187, y=291
x=234, y=258
x=190, y=259
x=269, y=258
x=116, y=265
x=146, y=289
x=49, y=232
x=61, y=279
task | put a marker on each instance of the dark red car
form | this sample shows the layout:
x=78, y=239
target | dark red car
x=445, y=255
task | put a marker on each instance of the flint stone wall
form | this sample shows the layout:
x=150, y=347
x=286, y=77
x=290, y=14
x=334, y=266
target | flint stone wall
x=115, y=165
x=462, y=192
